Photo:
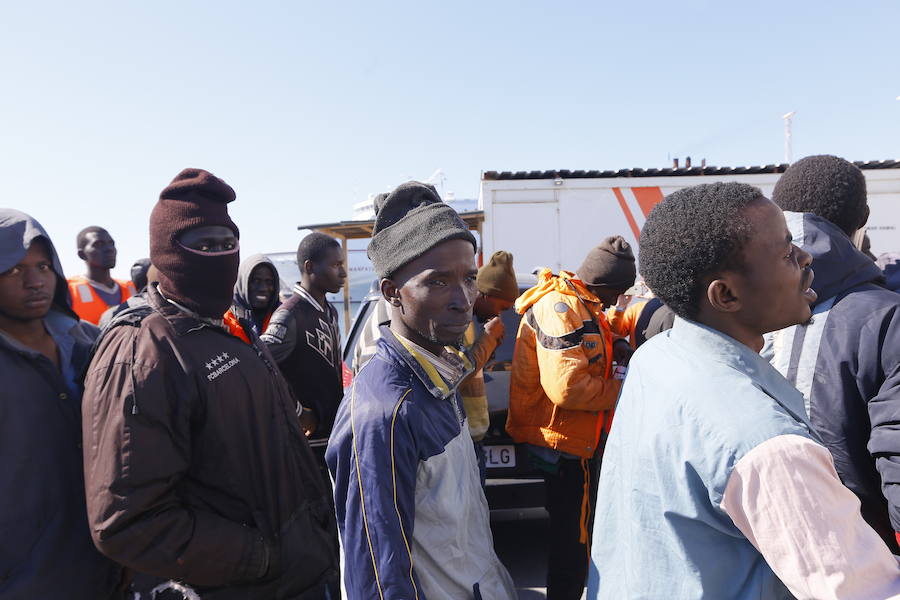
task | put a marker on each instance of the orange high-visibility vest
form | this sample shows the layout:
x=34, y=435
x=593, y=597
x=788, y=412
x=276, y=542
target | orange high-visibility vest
x=234, y=326
x=88, y=304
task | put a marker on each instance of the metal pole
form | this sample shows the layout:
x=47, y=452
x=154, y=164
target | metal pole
x=347, y=322
x=788, y=149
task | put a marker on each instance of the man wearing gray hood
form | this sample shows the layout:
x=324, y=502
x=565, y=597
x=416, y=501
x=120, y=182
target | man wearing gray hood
x=255, y=296
x=846, y=360
x=46, y=549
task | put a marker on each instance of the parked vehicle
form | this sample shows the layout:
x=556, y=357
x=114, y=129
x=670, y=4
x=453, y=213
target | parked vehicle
x=512, y=482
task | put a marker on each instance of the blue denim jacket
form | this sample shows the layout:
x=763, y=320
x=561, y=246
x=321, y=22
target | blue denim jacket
x=695, y=402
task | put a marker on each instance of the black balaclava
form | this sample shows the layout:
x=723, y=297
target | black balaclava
x=200, y=281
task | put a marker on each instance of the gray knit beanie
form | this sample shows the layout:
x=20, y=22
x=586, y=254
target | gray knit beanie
x=409, y=222
x=610, y=264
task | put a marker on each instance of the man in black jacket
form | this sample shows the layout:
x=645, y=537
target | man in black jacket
x=196, y=468
x=304, y=337
x=45, y=543
x=846, y=361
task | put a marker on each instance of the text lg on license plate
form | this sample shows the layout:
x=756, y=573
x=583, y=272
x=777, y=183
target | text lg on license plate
x=500, y=456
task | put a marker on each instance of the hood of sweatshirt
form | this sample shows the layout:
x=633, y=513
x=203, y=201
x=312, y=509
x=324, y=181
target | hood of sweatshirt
x=241, y=300
x=890, y=265
x=548, y=282
x=838, y=264
x=17, y=232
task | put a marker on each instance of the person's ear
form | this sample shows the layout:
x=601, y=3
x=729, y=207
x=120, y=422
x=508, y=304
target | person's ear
x=81, y=255
x=722, y=296
x=390, y=292
x=308, y=267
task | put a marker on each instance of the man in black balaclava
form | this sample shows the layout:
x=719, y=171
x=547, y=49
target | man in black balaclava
x=194, y=243
x=191, y=434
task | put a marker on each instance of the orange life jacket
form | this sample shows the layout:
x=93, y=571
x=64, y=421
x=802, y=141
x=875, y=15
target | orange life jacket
x=561, y=391
x=88, y=304
x=624, y=322
x=234, y=326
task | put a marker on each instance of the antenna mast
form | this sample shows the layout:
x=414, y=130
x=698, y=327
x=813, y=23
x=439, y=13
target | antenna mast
x=788, y=149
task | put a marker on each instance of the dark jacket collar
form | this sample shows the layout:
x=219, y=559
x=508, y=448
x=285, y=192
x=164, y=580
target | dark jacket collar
x=181, y=320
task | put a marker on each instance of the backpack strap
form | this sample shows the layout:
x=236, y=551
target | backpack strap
x=640, y=328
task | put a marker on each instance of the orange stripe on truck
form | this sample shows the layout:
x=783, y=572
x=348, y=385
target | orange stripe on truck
x=628, y=216
x=647, y=198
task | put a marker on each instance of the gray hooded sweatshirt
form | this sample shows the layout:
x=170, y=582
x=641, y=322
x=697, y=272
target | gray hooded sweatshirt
x=240, y=305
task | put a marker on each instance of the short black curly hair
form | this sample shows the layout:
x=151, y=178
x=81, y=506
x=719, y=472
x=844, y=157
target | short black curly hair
x=825, y=185
x=81, y=238
x=313, y=247
x=693, y=234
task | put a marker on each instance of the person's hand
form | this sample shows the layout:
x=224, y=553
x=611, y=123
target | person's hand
x=495, y=328
x=622, y=302
x=622, y=352
x=308, y=422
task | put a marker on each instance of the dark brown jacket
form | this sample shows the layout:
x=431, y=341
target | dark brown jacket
x=196, y=468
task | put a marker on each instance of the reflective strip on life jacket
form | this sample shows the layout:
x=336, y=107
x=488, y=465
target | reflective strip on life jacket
x=88, y=304
x=85, y=295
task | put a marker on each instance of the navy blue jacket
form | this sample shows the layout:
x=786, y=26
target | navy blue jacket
x=46, y=549
x=847, y=365
x=411, y=511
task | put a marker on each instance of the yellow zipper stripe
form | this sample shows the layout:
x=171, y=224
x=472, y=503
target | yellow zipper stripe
x=361, y=495
x=396, y=505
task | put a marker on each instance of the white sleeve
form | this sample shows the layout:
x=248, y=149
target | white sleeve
x=786, y=497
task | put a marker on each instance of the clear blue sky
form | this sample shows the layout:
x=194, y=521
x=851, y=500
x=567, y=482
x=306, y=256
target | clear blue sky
x=305, y=108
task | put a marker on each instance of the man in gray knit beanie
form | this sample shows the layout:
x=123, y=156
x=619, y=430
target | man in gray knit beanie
x=409, y=222
x=403, y=417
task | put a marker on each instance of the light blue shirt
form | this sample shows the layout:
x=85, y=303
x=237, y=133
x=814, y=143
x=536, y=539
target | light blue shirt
x=695, y=402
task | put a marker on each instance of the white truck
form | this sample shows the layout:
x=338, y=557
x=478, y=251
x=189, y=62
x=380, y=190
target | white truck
x=553, y=218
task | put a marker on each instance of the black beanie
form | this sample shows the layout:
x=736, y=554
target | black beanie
x=610, y=264
x=203, y=282
x=409, y=222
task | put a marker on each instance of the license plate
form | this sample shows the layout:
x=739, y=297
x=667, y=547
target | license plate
x=500, y=456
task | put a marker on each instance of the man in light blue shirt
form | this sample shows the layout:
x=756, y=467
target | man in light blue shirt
x=713, y=484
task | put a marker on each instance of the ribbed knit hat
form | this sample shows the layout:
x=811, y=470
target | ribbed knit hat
x=497, y=278
x=610, y=264
x=195, y=197
x=409, y=222
x=203, y=283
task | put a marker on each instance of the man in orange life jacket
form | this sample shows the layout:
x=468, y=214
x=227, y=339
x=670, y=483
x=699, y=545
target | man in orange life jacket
x=561, y=396
x=96, y=291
